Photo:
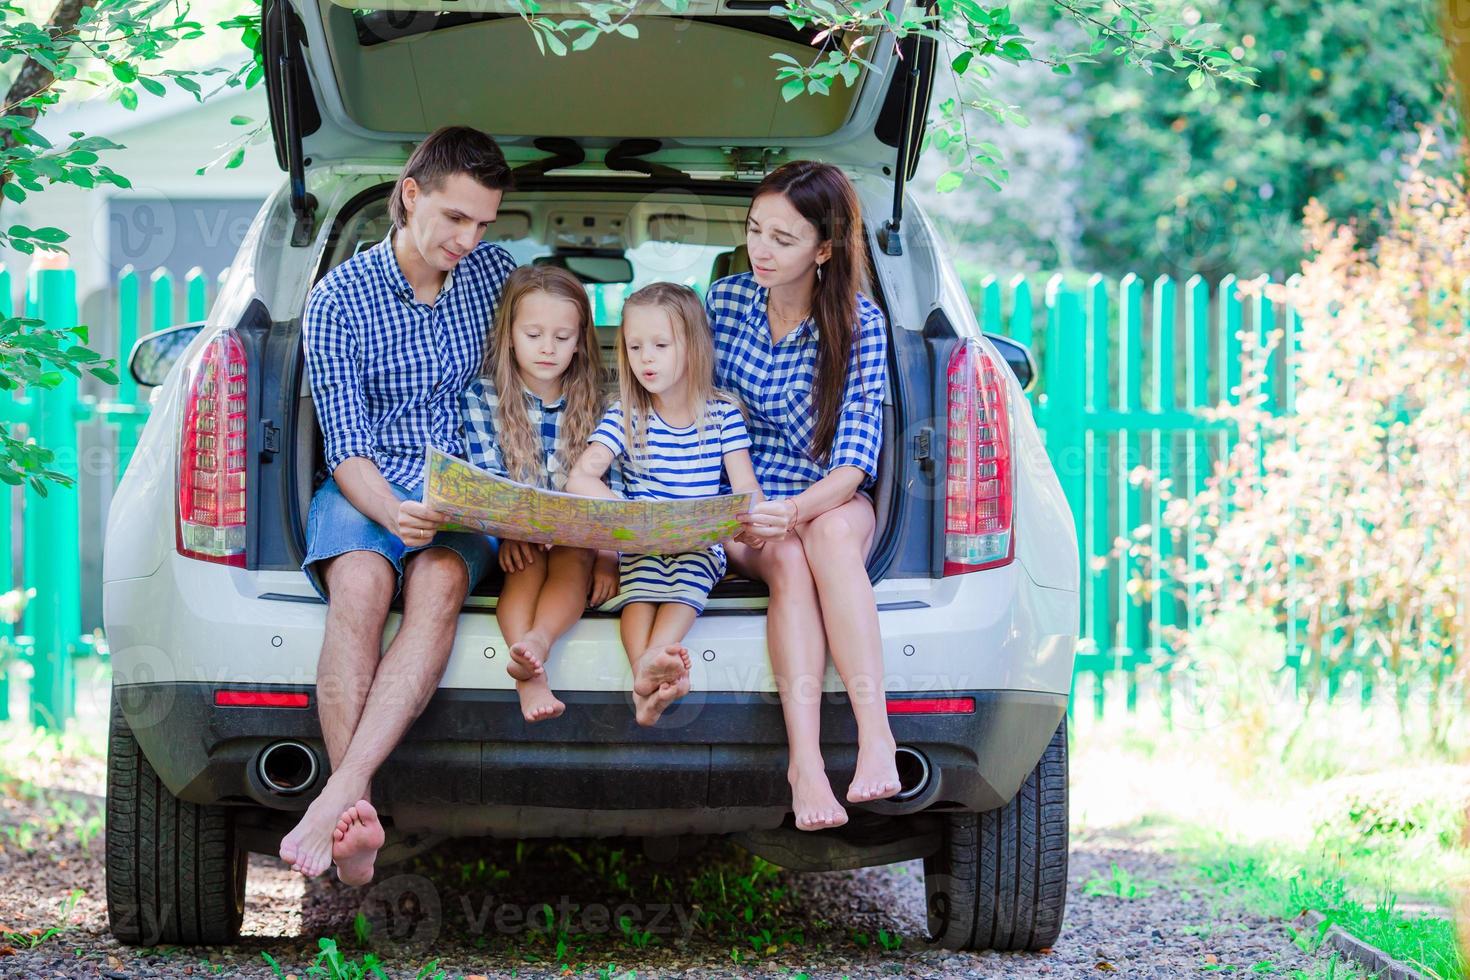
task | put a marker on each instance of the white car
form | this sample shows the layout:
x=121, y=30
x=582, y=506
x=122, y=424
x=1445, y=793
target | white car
x=636, y=159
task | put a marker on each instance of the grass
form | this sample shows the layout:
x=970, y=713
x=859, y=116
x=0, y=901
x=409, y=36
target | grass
x=1286, y=808
x=1281, y=885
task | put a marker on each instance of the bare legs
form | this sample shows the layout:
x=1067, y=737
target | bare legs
x=836, y=545
x=434, y=586
x=653, y=638
x=820, y=598
x=538, y=604
x=794, y=640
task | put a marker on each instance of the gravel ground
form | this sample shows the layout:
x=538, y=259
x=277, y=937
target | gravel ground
x=467, y=906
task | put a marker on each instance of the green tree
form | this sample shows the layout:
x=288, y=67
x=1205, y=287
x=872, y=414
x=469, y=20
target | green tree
x=115, y=49
x=1197, y=180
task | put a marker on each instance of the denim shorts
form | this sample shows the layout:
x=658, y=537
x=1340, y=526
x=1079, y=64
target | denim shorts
x=335, y=527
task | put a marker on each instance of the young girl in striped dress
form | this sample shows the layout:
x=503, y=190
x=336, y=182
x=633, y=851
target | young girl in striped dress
x=526, y=419
x=673, y=435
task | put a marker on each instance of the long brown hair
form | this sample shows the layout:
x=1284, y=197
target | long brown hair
x=822, y=194
x=520, y=444
x=695, y=341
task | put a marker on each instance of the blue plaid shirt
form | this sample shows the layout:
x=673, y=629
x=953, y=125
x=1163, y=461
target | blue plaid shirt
x=481, y=402
x=775, y=383
x=387, y=371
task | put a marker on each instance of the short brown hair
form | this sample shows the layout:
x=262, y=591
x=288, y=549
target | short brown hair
x=446, y=151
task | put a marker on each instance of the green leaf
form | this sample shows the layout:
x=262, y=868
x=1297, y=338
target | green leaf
x=128, y=98
x=236, y=158
x=14, y=193
x=628, y=30
x=962, y=61
x=124, y=72
x=1196, y=78
x=792, y=89
x=103, y=374
x=1062, y=69
x=152, y=86
x=586, y=40
x=948, y=181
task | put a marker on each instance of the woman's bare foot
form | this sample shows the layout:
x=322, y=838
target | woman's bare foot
x=812, y=800
x=647, y=709
x=660, y=666
x=528, y=657
x=308, y=847
x=537, y=701
x=876, y=776
x=355, y=843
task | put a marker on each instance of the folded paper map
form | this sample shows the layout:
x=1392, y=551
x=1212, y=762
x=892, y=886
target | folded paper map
x=480, y=500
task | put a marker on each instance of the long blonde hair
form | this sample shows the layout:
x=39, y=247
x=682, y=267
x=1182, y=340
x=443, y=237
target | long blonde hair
x=696, y=341
x=520, y=444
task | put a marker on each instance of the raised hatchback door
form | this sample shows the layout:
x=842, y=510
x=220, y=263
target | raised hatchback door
x=694, y=91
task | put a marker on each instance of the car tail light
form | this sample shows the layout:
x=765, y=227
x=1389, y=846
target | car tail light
x=979, y=480
x=227, y=698
x=210, y=519
x=931, y=706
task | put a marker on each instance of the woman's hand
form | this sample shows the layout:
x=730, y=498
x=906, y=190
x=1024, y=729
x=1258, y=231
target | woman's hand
x=418, y=523
x=604, y=584
x=769, y=520
x=517, y=556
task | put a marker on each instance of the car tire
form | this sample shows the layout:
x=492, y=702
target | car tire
x=999, y=878
x=175, y=872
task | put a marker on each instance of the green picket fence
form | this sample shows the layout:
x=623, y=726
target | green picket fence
x=1126, y=373
x=51, y=537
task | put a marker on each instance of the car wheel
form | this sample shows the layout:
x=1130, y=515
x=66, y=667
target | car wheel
x=999, y=878
x=175, y=873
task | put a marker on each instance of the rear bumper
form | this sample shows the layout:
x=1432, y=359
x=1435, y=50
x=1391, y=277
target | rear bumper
x=471, y=765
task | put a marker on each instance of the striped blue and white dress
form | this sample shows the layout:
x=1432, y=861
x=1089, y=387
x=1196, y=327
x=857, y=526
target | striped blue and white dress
x=675, y=462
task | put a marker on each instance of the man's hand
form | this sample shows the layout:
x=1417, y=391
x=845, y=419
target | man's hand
x=604, y=584
x=416, y=523
x=516, y=556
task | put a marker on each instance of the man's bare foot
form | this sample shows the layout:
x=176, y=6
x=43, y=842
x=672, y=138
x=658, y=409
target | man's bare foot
x=812, y=801
x=647, y=709
x=876, y=776
x=658, y=667
x=537, y=701
x=308, y=847
x=528, y=657
x=355, y=843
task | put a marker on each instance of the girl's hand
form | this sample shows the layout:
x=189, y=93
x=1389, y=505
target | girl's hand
x=604, y=584
x=770, y=520
x=418, y=523
x=517, y=556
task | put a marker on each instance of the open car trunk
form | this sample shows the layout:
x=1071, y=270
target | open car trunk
x=674, y=235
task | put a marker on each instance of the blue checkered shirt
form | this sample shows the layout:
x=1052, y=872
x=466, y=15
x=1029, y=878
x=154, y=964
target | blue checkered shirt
x=387, y=371
x=775, y=383
x=481, y=402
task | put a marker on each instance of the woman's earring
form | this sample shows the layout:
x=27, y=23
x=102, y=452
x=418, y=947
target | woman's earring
x=819, y=272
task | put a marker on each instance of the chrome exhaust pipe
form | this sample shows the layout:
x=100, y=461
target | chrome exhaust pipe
x=286, y=768
x=914, y=774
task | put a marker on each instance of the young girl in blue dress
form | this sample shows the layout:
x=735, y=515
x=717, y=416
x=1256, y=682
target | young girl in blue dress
x=672, y=435
x=527, y=418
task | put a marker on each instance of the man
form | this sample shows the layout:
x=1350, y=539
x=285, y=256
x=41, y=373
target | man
x=392, y=337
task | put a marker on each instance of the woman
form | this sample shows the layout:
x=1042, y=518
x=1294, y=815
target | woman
x=806, y=352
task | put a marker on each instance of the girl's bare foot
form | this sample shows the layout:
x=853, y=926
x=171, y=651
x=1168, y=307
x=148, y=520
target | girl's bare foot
x=528, y=657
x=812, y=800
x=647, y=709
x=537, y=701
x=876, y=776
x=658, y=667
x=355, y=843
